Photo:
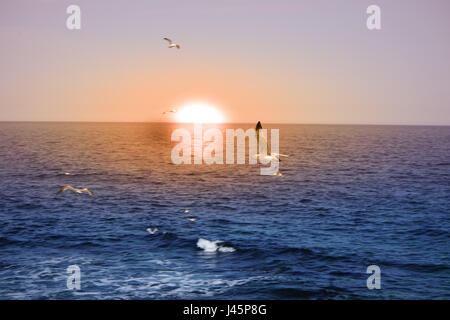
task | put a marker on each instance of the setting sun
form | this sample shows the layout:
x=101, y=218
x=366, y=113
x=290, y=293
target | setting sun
x=199, y=113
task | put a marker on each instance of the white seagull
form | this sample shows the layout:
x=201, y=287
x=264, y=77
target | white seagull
x=76, y=190
x=152, y=231
x=171, y=44
x=270, y=156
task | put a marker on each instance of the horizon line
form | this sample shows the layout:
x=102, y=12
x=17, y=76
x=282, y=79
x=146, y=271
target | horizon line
x=281, y=123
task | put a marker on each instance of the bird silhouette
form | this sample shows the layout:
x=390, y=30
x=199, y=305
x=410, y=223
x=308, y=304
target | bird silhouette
x=170, y=111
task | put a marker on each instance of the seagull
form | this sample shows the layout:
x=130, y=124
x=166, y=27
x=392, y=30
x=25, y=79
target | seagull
x=171, y=44
x=192, y=219
x=270, y=156
x=186, y=210
x=79, y=191
x=152, y=231
x=170, y=111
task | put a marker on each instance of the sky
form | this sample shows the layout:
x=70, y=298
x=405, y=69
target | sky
x=283, y=61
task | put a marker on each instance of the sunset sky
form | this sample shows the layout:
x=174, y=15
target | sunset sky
x=299, y=61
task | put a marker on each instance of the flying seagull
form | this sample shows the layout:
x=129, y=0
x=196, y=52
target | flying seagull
x=79, y=191
x=270, y=156
x=192, y=219
x=152, y=231
x=171, y=44
x=170, y=111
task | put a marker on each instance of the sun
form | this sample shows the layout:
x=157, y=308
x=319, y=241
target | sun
x=199, y=112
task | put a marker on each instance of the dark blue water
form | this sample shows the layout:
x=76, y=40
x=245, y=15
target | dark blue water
x=349, y=197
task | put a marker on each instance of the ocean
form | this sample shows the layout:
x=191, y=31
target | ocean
x=350, y=196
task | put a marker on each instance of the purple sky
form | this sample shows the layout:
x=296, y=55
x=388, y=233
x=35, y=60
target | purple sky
x=299, y=61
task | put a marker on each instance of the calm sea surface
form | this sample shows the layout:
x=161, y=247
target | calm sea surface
x=349, y=197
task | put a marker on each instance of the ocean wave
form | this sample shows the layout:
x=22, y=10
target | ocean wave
x=213, y=246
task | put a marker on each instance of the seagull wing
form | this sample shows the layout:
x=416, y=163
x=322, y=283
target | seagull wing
x=170, y=111
x=167, y=39
x=65, y=188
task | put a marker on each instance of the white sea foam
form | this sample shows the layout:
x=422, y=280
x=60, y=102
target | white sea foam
x=226, y=249
x=213, y=246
